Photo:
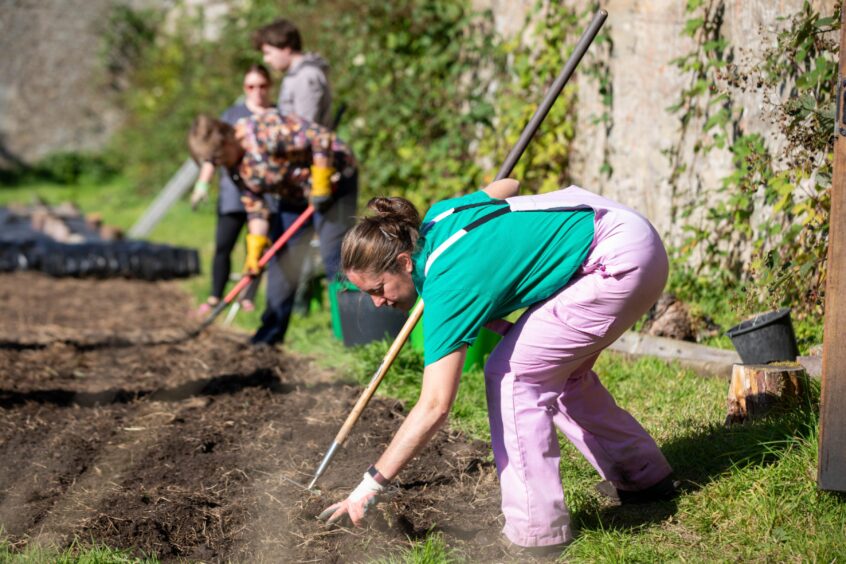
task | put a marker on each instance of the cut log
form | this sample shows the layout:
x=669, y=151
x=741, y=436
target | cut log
x=758, y=389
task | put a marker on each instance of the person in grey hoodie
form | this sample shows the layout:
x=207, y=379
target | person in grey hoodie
x=304, y=93
x=305, y=87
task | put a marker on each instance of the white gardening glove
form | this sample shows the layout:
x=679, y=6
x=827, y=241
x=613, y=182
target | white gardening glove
x=356, y=505
x=200, y=193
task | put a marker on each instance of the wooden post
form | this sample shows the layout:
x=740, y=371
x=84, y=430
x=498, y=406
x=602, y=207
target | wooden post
x=832, y=448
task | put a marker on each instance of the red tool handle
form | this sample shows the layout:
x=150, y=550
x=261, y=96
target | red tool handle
x=268, y=254
x=265, y=258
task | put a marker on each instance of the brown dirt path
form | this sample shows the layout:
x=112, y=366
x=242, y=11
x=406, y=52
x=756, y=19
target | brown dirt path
x=114, y=429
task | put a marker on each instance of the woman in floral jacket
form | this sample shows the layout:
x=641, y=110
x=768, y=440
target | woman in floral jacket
x=297, y=163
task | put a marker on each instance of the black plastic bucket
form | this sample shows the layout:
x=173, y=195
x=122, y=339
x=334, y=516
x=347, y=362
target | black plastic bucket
x=767, y=337
x=362, y=322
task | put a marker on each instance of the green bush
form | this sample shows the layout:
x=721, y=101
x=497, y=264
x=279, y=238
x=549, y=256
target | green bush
x=775, y=205
x=432, y=105
x=416, y=76
x=172, y=79
x=66, y=168
x=72, y=167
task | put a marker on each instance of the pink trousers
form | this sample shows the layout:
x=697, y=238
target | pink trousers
x=540, y=378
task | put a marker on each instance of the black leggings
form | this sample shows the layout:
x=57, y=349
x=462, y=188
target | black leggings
x=228, y=228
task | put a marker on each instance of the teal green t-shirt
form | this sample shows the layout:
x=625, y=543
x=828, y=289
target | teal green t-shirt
x=508, y=263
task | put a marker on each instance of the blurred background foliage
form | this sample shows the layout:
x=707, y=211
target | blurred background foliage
x=434, y=97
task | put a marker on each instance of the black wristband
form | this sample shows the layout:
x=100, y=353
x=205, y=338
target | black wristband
x=377, y=476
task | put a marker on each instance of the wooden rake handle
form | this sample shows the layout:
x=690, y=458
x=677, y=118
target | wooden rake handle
x=413, y=317
x=247, y=278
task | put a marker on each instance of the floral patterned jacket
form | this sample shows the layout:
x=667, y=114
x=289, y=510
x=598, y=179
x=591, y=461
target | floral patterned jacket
x=280, y=150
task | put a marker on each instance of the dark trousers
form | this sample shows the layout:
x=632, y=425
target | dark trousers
x=283, y=270
x=229, y=226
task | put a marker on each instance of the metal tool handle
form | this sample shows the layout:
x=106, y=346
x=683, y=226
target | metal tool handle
x=554, y=91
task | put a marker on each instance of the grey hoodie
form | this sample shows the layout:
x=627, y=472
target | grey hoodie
x=305, y=90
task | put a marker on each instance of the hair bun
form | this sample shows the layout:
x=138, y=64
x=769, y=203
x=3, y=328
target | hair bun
x=399, y=210
x=374, y=243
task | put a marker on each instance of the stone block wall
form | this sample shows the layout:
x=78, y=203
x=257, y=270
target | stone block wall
x=53, y=96
x=646, y=36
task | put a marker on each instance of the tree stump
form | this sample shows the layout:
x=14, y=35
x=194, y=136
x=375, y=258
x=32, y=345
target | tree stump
x=758, y=389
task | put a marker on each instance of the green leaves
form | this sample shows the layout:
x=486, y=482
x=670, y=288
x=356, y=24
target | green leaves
x=419, y=96
x=531, y=70
x=693, y=5
x=693, y=25
x=774, y=205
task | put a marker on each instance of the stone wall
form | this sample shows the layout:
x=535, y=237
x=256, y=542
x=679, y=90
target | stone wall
x=52, y=94
x=55, y=95
x=646, y=36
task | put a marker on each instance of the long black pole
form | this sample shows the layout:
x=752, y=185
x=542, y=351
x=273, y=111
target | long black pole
x=414, y=316
x=554, y=91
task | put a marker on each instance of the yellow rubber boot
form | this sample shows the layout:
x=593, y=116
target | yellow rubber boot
x=255, y=247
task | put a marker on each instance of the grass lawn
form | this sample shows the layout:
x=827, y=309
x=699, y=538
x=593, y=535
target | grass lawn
x=78, y=553
x=749, y=491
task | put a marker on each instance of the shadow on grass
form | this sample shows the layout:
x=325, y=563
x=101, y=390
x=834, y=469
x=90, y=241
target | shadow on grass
x=703, y=457
x=624, y=517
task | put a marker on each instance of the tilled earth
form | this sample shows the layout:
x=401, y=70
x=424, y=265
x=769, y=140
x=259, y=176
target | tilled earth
x=117, y=429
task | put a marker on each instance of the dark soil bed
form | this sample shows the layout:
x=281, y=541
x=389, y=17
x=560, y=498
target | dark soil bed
x=116, y=429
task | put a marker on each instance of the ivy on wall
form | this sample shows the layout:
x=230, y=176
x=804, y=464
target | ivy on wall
x=775, y=204
x=599, y=69
x=533, y=65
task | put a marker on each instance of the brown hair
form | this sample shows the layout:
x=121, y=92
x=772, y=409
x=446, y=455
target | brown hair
x=207, y=138
x=374, y=243
x=259, y=69
x=279, y=34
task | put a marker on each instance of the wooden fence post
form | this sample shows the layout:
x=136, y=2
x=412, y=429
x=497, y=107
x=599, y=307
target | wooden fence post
x=831, y=473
